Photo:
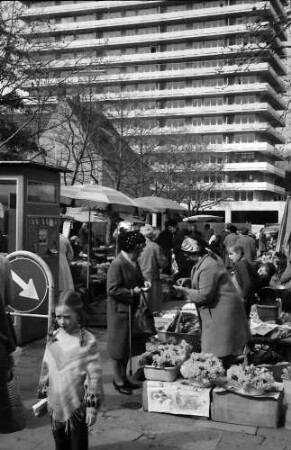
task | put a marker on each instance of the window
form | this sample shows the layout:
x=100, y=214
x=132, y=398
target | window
x=196, y=102
x=84, y=18
x=38, y=192
x=175, y=27
x=215, y=120
x=196, y=121
x=175, y=123
x=130, y=12
x=130, y=32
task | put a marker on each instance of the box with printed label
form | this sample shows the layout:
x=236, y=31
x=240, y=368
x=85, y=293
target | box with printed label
x=178, y=397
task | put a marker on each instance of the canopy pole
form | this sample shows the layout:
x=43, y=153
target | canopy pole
x=88, y=257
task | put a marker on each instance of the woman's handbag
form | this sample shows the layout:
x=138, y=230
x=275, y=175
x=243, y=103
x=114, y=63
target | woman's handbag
x=143, y=319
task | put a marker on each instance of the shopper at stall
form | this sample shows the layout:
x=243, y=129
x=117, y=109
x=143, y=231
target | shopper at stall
x=230, y=239
x=262, y=242
x=7, y=345
x=151, y=261
x=124, y=284
x=66, y=254
x=243, y=276
x=224, y=323
x=248, y=243
x=165, y=241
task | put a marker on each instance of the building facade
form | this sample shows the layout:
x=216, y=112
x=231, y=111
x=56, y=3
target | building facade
x=206, y=75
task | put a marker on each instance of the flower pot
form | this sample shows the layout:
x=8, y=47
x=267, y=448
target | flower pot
x=161, y=374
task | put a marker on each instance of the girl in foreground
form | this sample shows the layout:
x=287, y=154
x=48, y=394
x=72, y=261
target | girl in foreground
x=71, y=376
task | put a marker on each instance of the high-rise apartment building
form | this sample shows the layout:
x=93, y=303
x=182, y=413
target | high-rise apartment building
x=208, y=73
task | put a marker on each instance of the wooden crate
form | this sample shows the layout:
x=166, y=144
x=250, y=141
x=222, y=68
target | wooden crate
x=261, y=411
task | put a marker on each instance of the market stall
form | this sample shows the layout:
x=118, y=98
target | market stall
x=181, y=380
x=99, y=204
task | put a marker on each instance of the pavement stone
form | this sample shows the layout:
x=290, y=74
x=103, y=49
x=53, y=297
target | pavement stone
x=124, y=425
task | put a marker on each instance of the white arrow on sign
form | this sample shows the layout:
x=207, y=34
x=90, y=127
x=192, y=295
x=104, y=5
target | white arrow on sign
x=28, y=289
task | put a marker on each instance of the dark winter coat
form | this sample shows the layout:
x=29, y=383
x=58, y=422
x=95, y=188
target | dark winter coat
x=122, y=277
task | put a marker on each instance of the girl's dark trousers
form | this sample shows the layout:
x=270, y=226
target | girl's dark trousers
x=73, y=439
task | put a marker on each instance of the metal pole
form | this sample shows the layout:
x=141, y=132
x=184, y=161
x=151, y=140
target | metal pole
x=130, y=346
x=14, y=313
x=89, y=255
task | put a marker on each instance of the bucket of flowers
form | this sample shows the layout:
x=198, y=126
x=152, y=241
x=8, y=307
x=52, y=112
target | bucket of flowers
x=203, y=369
x=162, y=362
x=251, y=380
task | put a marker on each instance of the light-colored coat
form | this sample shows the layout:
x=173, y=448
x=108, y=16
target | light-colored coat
x=225, y=328
x=65, y=256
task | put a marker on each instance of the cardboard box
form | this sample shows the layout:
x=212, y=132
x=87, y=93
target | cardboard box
x=241, y=409
x=176, y=397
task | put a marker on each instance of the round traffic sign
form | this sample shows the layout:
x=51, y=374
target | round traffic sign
x=30, y=284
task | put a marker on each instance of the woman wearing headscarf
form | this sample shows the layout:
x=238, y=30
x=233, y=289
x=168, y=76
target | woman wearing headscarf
x=151, y=260
x=224, y=324
x=124, y=285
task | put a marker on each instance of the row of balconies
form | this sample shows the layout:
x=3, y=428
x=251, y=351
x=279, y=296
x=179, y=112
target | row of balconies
x=156, y=39
x=273, y=116
x=263, y=147
x=152, y=19
x=265, y=128
x=167, y=75
x=223, y=55
x=201, y=92
x=186, y=93
x=254, y=166
x=251, y=186
x=83, y=6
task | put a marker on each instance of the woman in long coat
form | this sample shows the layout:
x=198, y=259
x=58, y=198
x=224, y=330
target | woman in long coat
x=124, y=283
x=224, y=323
x=66, y=255
x=151, y=261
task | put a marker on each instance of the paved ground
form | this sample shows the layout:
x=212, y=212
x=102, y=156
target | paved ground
x=124, y=425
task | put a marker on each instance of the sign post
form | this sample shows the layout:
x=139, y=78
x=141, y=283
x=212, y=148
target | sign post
x=34, y=287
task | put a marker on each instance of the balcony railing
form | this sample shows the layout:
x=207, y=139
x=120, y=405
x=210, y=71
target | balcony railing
x=151, y=19
x=252, y=186
x=254, y=108
x=254, y=167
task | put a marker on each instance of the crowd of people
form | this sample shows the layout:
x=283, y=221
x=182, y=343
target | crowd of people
x=221, y=274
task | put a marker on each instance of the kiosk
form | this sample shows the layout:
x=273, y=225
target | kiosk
x=29, y=220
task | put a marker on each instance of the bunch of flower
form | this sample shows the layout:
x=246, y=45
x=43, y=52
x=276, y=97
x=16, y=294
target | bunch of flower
x=251, y=378
x=166, y=355
x=203, y=368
